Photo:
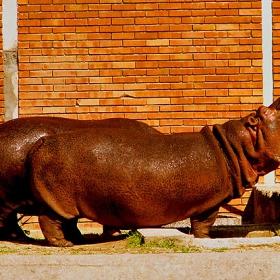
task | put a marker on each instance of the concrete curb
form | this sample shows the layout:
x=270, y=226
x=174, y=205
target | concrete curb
x=232, y=243
x=230, y=265
x=227, y=265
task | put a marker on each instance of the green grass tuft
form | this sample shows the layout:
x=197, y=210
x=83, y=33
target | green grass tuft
x=158, y=244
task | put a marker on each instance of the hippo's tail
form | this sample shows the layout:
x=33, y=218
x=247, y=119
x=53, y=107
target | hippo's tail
x=29, y=156
x=31, y=152
x=34, y=148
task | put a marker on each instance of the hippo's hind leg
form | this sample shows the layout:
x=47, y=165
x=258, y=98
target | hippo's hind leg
x=109, y=231
x=201, y=225
x=5, y=222
x=52, y=227
x=13, y=231
x=9, y=228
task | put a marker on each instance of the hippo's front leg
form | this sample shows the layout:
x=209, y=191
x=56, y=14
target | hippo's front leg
x=201, y=225
x=72, y=233
x=51, y=225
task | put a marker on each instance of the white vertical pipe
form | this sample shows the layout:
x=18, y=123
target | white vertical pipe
x=10, y=49
x=9, y=27
x=267, y=65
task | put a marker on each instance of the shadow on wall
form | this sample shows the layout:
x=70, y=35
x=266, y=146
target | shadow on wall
x=247, y=214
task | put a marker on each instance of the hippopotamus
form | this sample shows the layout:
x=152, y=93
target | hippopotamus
x=130, y=179
x=16, y=138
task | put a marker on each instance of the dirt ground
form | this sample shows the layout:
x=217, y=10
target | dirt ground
x=125, y=243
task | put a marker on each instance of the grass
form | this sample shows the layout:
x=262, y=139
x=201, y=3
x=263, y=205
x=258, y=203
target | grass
x=7, y=250
x=220, y=250
x=135, y=240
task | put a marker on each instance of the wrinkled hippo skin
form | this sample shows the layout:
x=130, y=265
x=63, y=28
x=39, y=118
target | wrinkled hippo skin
x=16, y=138
x=130, y=179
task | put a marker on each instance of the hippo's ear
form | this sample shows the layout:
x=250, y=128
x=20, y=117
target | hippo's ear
x=275, y=104
x=252, y=121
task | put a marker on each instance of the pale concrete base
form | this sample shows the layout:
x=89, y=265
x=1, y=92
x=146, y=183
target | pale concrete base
x=218, y=266
x=192, y=266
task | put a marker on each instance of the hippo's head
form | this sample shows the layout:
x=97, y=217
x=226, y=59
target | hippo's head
x=263, y=127
x=252, y=145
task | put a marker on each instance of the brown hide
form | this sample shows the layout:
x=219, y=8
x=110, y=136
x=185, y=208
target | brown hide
x=16, y=138
x=119, y=179
x=130, y=179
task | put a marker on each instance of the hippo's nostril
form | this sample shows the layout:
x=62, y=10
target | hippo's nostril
x=253, y=121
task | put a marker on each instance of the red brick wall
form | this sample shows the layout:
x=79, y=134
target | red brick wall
x=2, y=112
x=276, y=56
x=276, y=47
x=177, y=65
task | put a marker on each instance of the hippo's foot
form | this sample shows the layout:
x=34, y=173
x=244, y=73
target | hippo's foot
x=110, y=231
x=20, y=238
x=52, y=227
x=5, y=234
x=201, y=225
x=11, y=231
x=200, y=234
x=72, y=233
x=59, y=242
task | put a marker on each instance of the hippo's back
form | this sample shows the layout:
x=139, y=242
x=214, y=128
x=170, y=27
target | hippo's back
x=17, y=137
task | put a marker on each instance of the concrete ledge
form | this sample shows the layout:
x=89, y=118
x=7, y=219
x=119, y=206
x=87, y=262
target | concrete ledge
x=269, y=234
x=222, y=220
x=233, y=243
x=248, y=231
x=266, y=204
x=226, y=265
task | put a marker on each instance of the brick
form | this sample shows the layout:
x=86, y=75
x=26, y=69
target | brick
x=65, y=87
x=122, y=21
x=88, y=87
x=251, y=12
x=147, y=108
x=150, y=6
x=162, y=115
x=171, y=122
x=112, y=87
x=125, y=109
x=136, y=116
x=123, y=65
x=158, y=42
x=88, y=102
x=53, y=110
x=123, y=7
x=53, y=81
x=110, y=102
x=99, y=80
x=158, y=101
x=138, y=86
x=136, y=102
x=158, y=86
